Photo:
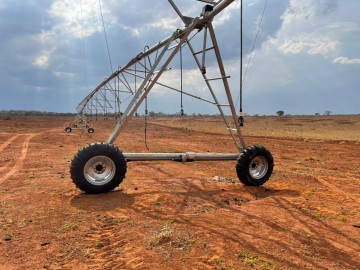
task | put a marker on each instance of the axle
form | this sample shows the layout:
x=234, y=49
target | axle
x=180, y=157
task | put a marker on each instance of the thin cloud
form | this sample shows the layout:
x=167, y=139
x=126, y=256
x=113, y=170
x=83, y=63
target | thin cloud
x=346, y=61
x=309, y=44
x=79, y=19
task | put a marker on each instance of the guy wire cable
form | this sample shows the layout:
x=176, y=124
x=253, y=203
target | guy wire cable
x=83, y=43
x=241, y=118
x=252, y=51
x=106, y=40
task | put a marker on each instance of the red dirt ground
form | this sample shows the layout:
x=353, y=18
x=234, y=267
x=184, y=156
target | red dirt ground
x=168, y=215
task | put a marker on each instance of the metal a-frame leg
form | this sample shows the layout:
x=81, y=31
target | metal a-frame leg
x=227, y=89
x=237, y=137
x=150, y=80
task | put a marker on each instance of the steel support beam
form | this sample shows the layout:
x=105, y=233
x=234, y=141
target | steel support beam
x=180, y=157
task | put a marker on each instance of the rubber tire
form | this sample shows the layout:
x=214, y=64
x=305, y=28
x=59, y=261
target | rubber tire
x=75, y=126
x=85, y=154
x=91, y=130
x=68, y=129
x=244, y=162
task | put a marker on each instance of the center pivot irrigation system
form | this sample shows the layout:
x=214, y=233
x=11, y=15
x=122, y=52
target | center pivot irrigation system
x=101, y=167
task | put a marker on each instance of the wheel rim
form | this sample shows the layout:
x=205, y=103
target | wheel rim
x=99, y=170
x=258, y=167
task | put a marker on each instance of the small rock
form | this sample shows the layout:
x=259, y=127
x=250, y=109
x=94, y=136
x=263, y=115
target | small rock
x=356, y=225
x=223, y=179
x=7, y=237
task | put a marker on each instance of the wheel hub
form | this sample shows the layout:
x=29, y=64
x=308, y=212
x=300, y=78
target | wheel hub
x=99, y=170
x=258, y=167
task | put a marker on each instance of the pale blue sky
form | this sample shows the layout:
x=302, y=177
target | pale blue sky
x=306, y=59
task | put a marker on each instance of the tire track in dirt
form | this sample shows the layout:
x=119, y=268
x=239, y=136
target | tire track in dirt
x=106, y=246
x=8, y=142
x=324, y=181
x=19, y=162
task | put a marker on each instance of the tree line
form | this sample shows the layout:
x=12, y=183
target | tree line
x=8, y=113
x=32, y=113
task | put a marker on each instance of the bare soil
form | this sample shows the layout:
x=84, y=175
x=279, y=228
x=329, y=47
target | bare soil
x=168, y=215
